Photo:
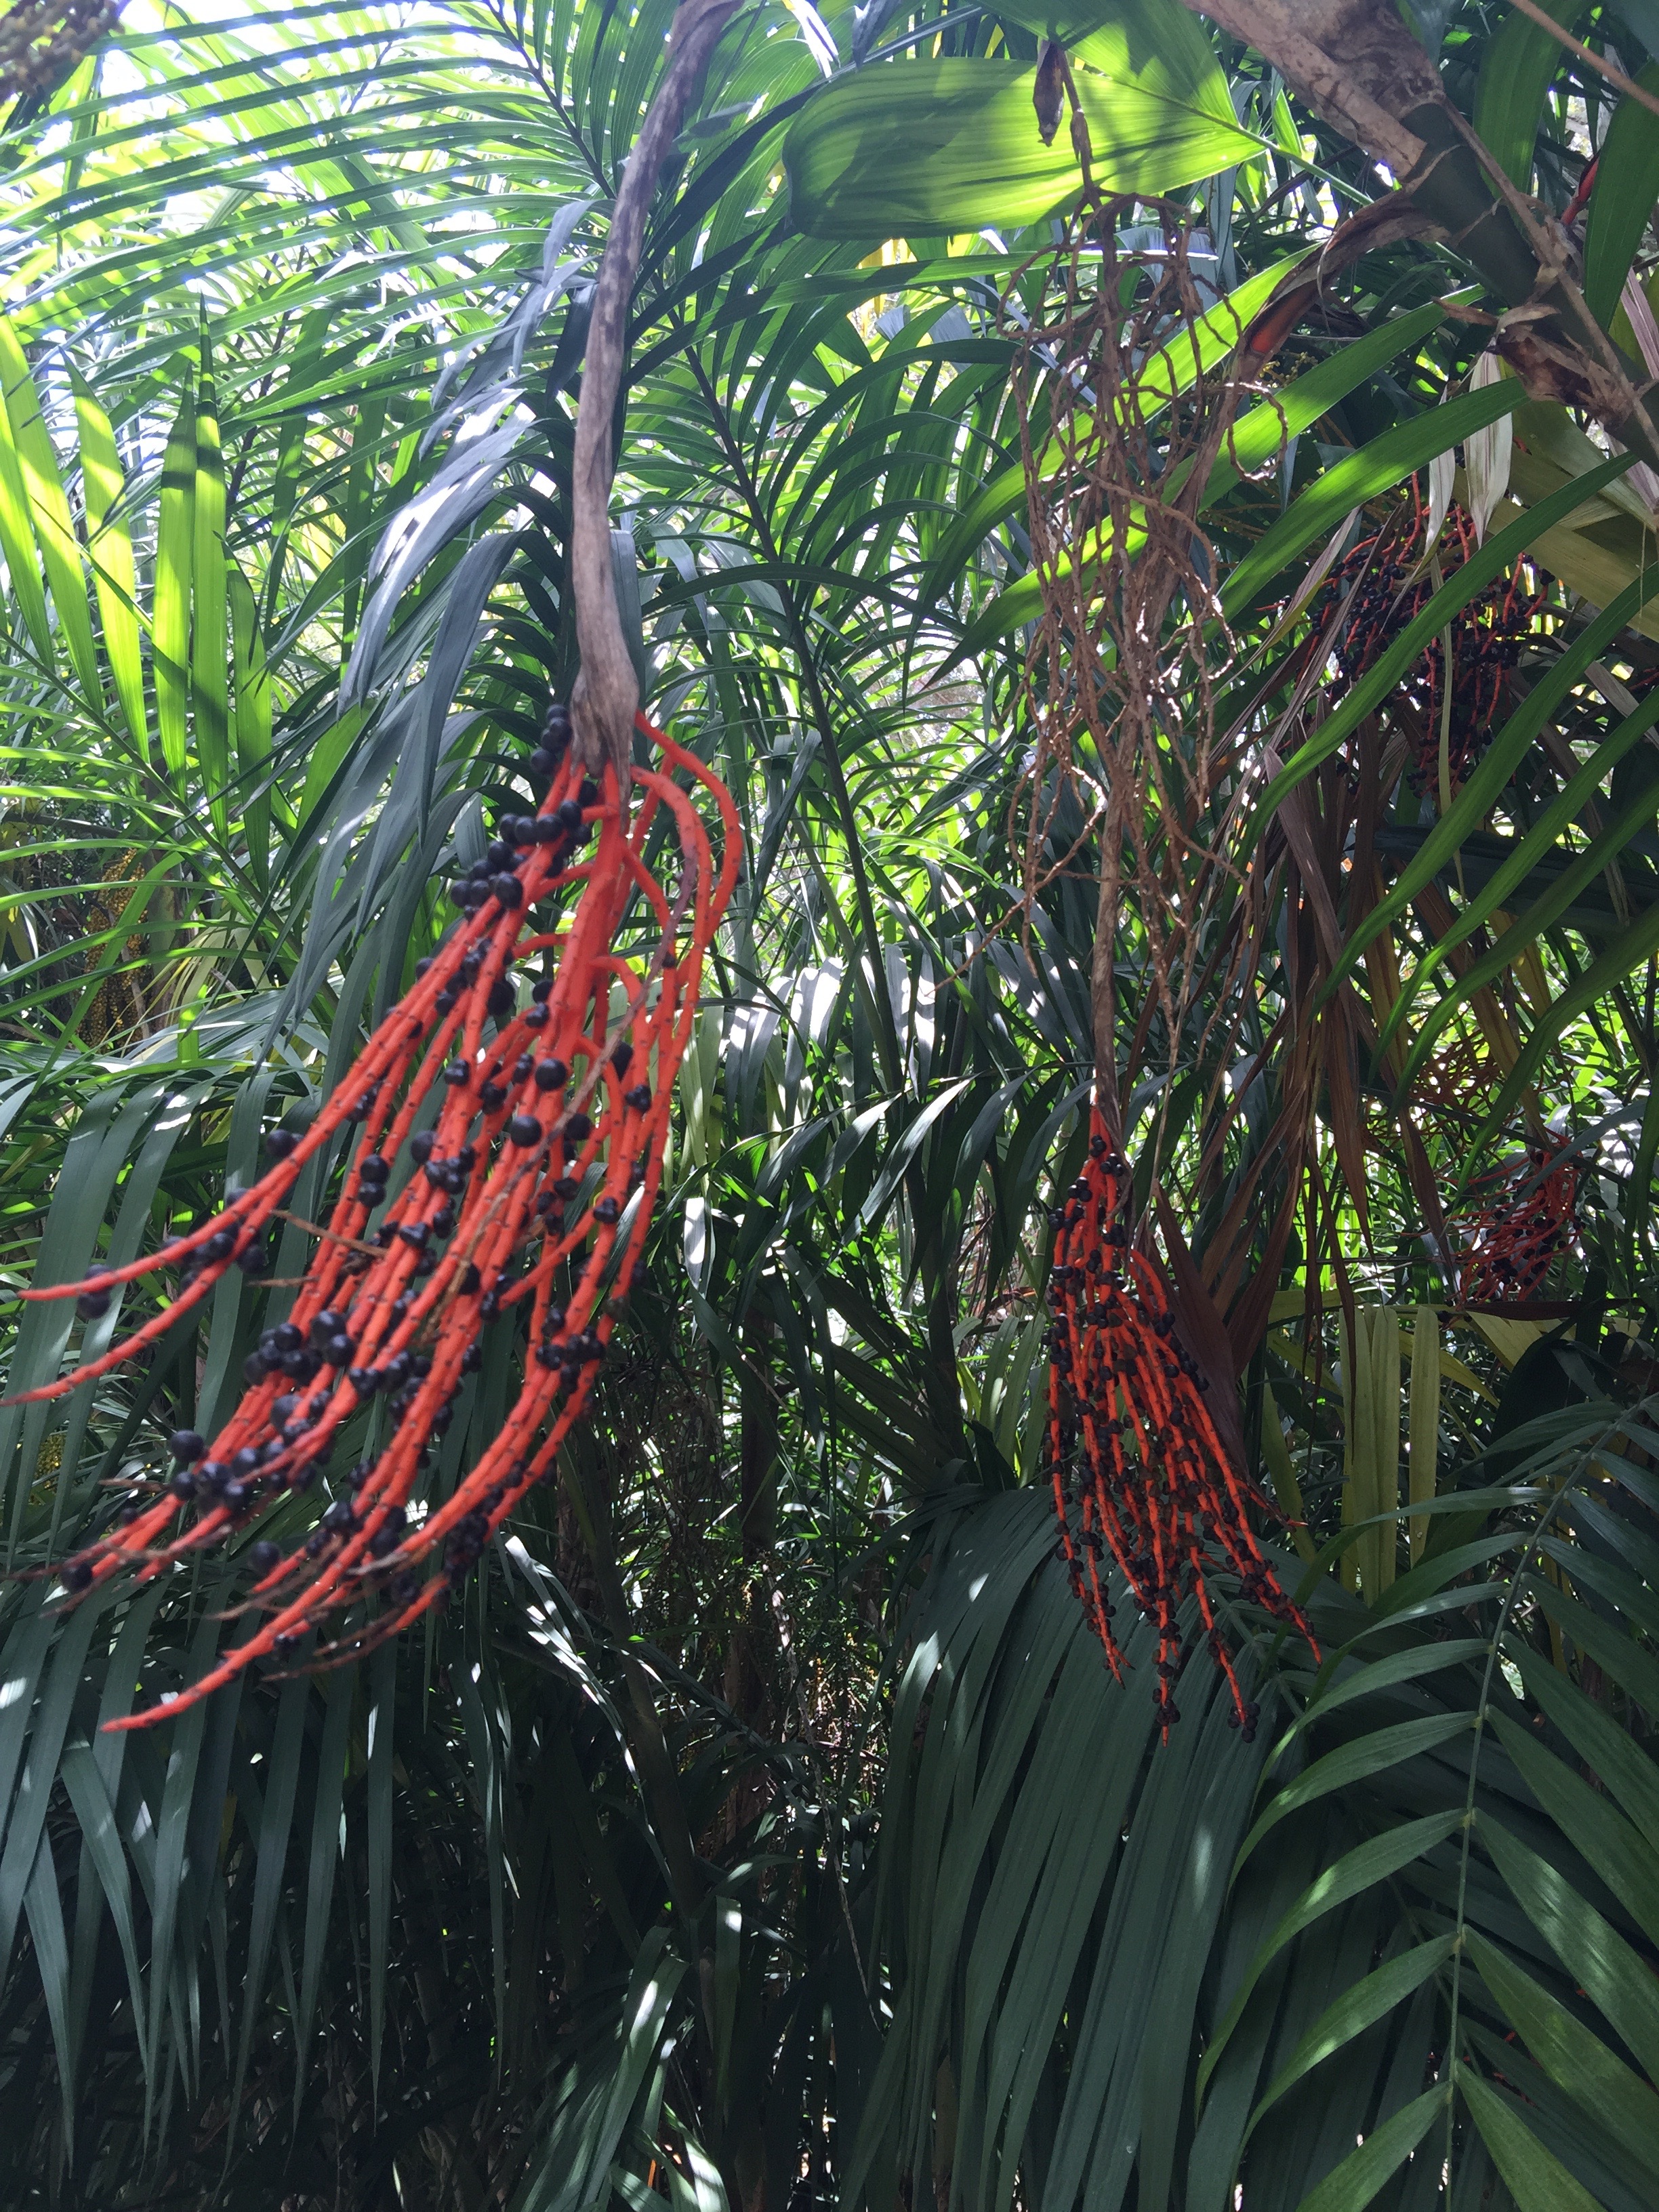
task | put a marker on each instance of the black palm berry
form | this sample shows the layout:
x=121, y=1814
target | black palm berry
x=185, y=1445
x=524, y=1129
x=552, y=1075
x=280, y=1143
x=264, y=1556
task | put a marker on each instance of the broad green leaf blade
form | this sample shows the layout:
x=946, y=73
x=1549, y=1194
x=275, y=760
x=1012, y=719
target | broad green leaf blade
x=1617, y=1850
x=1368, y=1754
x=1354, y=2011
x=949, y=145
x=325, y=1858
x=1612, y=2096
x=1611, y=1752
x=1356, y=1870
x=1519, y=63
x=1535, y=2178
x=1627, y=186
x=1353, y=2185
x=17, y=544
x=175, y=535
x=1157, y=40
x=253, y=719
x=48, y=505
x=210, y=635
x=109, y=549
x=1597, y=1957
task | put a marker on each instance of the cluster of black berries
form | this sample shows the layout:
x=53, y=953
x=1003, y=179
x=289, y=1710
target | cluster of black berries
x=495, y=876
x=1382, y=586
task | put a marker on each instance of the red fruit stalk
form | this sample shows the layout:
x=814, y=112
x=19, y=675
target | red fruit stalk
x=1522, y=1228
x=1137, y=1465
x=508, y=1149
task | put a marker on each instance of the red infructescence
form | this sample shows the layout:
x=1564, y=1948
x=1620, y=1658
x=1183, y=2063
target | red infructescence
x=542, y=1165
x=1523, y=1229
x=1383, y=584
x=1136, y=1463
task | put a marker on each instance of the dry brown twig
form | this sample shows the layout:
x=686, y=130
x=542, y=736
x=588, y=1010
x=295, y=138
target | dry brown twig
x=1119, y=435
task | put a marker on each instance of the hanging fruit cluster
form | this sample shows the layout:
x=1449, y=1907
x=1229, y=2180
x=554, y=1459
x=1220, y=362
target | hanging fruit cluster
x=1137, y=1465
x=42, y=40
x=1383, y=585
x=1527, y=1220
x=506, y=1124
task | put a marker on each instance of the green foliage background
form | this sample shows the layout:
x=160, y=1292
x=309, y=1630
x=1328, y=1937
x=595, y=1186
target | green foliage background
x=292, y=346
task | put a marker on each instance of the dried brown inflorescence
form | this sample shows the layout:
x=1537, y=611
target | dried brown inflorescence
x=506, y=1150
x=1126, y=390
x=1137, y=1466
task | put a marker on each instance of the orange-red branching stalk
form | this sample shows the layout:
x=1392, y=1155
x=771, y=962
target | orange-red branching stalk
x=1522, y=1226
x=1137, y=1465
x=509, y=1137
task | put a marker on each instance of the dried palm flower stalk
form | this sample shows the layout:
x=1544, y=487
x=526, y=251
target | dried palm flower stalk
x=1123, y=411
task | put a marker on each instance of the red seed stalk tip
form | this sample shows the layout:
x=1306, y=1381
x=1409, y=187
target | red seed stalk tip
x=529, y=1181
x=1135, y=1462
x=1526, y=1221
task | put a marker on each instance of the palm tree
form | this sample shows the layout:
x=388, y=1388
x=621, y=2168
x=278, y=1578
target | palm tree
x=763, y=1828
